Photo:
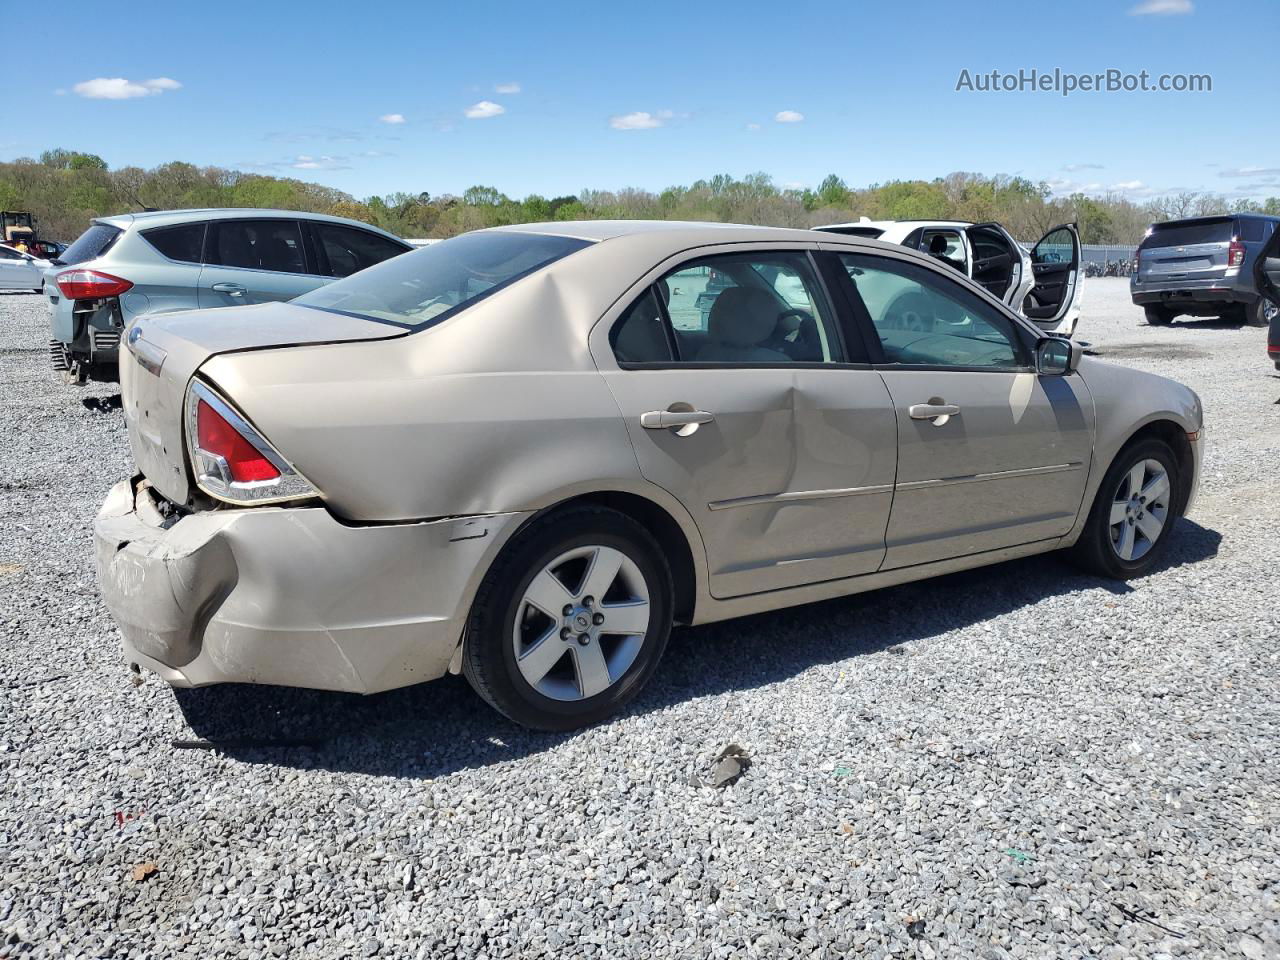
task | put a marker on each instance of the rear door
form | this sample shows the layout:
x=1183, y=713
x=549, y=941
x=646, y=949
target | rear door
x=1053, y=302
x=999, y=263
x=781, y=450
x=1179, y=250
x=255, y=261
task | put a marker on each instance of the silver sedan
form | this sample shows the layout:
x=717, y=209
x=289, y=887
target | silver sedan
x=523, y=454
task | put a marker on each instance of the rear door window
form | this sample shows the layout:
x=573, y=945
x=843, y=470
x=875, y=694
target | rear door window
x=1250, y=230
x=182, y=243
x=274, y=245
x=91, y=244
x=344, y=250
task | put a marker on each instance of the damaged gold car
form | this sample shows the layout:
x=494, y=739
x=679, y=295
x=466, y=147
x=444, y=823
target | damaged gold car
x=524, y=453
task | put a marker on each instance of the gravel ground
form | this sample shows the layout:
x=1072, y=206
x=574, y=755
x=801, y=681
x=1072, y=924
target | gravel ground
x=1016, y=762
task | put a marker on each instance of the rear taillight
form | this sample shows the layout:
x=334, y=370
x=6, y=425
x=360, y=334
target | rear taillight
x=230, y=459
x=1235, y=254
x=217, y=438
x=90, y=285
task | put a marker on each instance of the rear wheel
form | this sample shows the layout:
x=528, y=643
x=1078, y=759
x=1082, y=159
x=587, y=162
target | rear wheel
x=1260, y=314
x=1133, y=513
x=1157, y=316
x=571, y=620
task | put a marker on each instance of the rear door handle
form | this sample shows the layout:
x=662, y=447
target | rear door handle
x=233, y=289
x=934, y=410
x=666, y=419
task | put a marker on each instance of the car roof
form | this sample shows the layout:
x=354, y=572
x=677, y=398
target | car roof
x=885, y=224
x=692, y=232
x=165, y=218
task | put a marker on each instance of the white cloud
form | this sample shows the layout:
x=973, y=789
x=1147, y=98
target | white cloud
x=1128, y=186
x=1073, y=167
x=506, y=88
x=1162, y=8
x=392, y=118
x=306, y=162
x=1249, y=172
x=118, y=88
x=485, y=108
x=788, y=116
x=753, y=126
x=640, y=120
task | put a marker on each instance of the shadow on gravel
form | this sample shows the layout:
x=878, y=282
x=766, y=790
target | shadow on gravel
x=437, y=728
x=103, y=404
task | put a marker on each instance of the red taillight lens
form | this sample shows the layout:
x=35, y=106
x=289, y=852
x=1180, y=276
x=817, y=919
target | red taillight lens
x=90, y=285
x=244, y=460
x=1235, y=254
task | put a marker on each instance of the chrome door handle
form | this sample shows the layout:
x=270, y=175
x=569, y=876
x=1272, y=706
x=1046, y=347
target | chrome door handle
x=232, y=289
x=934, y=410
x=666, y=419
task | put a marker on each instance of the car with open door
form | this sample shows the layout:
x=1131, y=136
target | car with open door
x=523, y=453
x=1266, y=276
x=1042, y=284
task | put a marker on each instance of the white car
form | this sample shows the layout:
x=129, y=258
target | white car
x=21, y=271
x=1042, y=284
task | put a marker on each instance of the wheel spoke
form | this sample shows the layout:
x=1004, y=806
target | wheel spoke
x=626, y=618
x=1119, y=511
x=1125, y=546
x=548, y=594
x=1150, y=525
x=1156, y=490
x=593, y=669
x=605, y=564
x=536, y=662
x=1136, y=476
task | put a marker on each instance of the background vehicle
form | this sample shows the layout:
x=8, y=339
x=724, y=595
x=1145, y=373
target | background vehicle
x=1042, y=284
x=20, y=271
x=1202, y=267
x=137, y=263
x=1266, y=274
x=528, y=437
x=46, y=249
x=17, y=226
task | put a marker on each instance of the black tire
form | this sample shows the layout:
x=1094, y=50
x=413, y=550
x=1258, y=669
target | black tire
x=489, y=656
x=1255, y=315
x=37, y=289
x=1094, y=551
x=1157, y=316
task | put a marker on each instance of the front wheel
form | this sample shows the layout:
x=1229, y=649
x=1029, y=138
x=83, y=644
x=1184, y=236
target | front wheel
x=571, y=620
x=1133, y=513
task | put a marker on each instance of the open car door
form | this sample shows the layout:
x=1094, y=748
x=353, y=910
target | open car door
x=1266, y=274
x=1054, y=301
x=999, y=263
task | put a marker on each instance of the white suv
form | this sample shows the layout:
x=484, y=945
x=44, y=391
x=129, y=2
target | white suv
x=1042, y=284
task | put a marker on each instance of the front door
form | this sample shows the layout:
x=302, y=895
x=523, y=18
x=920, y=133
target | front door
x=254, y=261
x=990, y=454
x=18, y=271
x=1266, y=274
x=999, y=263
x=732, y=378
x=1054, y=301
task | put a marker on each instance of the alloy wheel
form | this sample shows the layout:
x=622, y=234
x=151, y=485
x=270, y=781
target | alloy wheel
x=1140, y=509
x=581, y=623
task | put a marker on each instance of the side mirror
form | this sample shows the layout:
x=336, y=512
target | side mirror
x=1057, y=357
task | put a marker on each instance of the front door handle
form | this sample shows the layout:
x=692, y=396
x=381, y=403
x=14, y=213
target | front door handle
x=668, y=419
x=935, y=410
x=231, y=289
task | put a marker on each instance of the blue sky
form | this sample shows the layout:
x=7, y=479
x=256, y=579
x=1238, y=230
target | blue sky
x=868, y=88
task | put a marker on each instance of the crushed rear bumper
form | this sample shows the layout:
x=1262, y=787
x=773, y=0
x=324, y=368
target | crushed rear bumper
x=289, y=596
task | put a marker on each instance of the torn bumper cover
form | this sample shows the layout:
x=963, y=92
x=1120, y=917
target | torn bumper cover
x=289, y=596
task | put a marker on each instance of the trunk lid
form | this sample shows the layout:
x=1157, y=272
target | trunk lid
x=1186, y=250
x=164, y=351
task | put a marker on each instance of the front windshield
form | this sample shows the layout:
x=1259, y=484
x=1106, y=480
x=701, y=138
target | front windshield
x=414, y=289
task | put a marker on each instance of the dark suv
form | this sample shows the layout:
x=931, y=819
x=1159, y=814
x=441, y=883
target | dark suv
x=1203, y=267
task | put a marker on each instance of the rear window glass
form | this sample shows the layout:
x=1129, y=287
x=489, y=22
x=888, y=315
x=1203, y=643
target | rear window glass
x=871, y=233
x=1183, y=234
x=91, y=244
x=427, y=285
x=182, y=243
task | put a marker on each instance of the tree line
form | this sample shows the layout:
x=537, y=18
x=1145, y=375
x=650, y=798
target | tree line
x=66, y=188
